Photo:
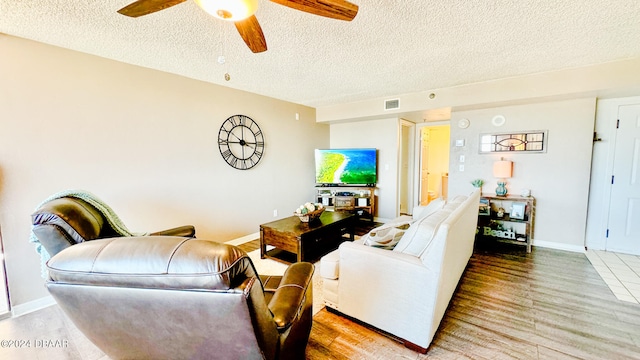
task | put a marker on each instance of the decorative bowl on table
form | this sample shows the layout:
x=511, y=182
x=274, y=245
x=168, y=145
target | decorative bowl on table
x=309, y=212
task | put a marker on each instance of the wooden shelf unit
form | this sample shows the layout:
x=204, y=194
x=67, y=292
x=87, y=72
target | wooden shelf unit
x=506, y=228
x=359, y=200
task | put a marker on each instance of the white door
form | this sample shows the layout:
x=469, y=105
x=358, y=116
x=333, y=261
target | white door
x=623, y=230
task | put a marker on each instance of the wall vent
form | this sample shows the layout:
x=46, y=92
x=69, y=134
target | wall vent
x=392, y=104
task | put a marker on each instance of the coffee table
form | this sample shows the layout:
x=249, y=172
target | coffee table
x=295, y=241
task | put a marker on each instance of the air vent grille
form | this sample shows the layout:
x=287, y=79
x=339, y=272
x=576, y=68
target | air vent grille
x=392, y=104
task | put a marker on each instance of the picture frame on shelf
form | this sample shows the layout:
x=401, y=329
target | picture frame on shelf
x=484, y=207
x=518, y=210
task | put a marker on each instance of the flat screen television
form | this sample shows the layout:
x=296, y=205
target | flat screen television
x=346, y=166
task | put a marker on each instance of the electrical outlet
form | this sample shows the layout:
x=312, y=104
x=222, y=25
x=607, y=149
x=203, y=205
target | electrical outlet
x=461, y=168
x=461, y=158
x=275, y=212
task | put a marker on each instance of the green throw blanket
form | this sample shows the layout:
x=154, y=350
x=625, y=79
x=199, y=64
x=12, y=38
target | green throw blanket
x=103, y=208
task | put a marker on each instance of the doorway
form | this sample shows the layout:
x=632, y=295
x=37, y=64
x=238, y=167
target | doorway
x=434, y=140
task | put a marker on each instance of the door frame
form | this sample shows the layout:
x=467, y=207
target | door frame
x=602, y=170
x=417, y=166
x=410, y=177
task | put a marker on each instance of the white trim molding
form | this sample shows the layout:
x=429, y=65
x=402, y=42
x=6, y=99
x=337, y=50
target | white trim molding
x=559, y=246
x=31, y=306
x=244, y=239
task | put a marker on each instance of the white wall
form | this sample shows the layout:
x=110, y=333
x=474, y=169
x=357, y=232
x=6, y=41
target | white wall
x=611, y=79
x=558, y=179
x=142, y=140
x=383, y=135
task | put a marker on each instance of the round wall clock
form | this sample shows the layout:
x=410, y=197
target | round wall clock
x=241, y=142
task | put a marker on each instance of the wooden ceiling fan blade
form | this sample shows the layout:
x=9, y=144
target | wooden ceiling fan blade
x=335, y=9
x=145, y=7
x=251, y=33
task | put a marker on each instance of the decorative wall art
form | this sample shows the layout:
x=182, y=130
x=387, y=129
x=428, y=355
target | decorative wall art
x=525, y=141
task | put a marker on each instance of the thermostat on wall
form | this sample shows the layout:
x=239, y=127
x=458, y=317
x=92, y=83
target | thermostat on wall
x=460, y=142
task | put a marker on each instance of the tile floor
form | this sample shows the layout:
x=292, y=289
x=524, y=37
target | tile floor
x=620, y=271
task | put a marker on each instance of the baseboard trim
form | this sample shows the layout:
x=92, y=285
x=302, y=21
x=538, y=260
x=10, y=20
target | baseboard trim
x=244, y=239
x=559, y=246
x=31, y=306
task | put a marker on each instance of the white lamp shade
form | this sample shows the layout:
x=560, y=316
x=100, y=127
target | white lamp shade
x=232, y=10
x=502, y=169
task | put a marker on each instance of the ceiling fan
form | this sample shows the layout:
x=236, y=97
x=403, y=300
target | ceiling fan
x=241, y=12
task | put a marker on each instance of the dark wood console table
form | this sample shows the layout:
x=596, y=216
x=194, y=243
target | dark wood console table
x=297, y=241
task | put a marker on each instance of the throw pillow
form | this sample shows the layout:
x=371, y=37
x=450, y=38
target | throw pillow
x=386, y=236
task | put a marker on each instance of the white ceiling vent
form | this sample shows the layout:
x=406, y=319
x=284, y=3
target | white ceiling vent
x=392, y=104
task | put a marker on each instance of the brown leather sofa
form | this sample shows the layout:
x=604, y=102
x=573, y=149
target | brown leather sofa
x=161, y=297
x=66, y=221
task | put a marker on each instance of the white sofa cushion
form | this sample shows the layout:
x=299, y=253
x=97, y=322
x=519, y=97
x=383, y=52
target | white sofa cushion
x=386, y=236
x=416, y=240
x=421, y=212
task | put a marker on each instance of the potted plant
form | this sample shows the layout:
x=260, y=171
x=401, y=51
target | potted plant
x=477, y=183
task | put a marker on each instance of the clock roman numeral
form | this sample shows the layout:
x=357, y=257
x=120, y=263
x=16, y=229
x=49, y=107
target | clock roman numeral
x=233, y=161
x=255, y=158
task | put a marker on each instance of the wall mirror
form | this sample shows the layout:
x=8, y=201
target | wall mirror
x=524, y=141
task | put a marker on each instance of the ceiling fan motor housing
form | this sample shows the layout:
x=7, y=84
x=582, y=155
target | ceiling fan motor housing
x=231, y=10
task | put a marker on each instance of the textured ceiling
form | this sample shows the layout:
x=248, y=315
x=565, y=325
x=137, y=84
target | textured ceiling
x=390, y=48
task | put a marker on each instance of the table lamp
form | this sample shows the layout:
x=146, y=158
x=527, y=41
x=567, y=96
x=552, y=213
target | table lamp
x=502, y=170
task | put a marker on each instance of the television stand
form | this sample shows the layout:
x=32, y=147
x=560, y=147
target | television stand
x=359, y=200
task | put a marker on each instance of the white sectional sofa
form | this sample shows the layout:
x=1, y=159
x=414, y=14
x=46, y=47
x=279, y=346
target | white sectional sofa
x=405, y=291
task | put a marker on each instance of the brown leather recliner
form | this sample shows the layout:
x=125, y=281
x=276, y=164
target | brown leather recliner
x=67, y=221
x=160, y=297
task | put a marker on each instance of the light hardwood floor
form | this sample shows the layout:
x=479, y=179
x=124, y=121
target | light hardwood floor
x=548, y=304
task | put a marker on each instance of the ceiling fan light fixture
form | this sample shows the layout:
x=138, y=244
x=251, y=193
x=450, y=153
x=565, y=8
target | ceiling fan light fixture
x=231, y=10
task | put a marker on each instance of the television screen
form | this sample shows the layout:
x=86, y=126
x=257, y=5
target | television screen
x=346, y=166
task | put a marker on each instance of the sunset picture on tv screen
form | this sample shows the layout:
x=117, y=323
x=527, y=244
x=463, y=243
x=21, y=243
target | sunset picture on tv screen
x=346, y=166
